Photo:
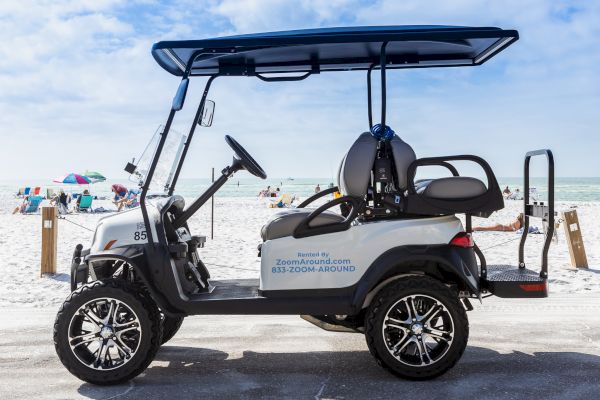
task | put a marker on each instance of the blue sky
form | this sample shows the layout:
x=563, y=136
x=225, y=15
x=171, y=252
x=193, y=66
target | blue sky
x=79, y=88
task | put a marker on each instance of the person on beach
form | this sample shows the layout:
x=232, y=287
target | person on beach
x=21, y=208
x=62, y=201
x=121, y=197
x=85, y=193
x=512, y=227
x=506, y=192
x=265, y=193
x=317, y=189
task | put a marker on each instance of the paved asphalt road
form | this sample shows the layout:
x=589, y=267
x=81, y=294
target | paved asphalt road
x=537, y=349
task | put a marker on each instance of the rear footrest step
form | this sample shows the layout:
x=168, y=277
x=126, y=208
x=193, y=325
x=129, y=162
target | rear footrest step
x=515, y=282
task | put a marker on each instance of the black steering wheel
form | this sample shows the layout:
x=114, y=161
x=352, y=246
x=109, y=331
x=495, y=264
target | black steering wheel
x=245, y=159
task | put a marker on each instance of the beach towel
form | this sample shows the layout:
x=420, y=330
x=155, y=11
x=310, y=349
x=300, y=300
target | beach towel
x=532, y=229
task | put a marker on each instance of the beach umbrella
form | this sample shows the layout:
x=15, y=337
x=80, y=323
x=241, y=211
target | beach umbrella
x=95, y=176
x=74, y=179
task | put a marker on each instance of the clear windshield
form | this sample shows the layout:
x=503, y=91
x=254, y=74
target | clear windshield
x=167, y=164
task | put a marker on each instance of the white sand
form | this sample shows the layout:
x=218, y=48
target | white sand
x=233, y=254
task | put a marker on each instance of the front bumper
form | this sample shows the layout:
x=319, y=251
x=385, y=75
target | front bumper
x=79, y=270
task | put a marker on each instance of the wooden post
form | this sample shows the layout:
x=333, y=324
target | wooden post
x=49, y=240
x=574, y=239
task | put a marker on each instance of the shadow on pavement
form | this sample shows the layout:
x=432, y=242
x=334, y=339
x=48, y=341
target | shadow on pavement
x=187, y=372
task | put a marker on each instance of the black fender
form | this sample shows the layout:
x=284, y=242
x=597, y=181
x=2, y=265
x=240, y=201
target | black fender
x=444, y=262
x=135, y=256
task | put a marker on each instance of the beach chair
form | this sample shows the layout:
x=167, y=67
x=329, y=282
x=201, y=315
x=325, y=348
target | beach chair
x=26, y=191
x=50, y=193
x=33, y=204
x=36, y=191
x=20, y=192
x=85, y=204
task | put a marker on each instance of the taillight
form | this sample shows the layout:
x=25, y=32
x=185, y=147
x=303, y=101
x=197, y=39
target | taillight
x=462, y=239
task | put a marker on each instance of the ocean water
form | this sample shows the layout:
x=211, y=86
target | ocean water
x=566, y=189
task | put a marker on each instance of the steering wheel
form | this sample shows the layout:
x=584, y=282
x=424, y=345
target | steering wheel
x=245, y=159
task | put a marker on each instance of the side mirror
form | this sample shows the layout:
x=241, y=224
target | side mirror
x=207, y=113
x=179, y=98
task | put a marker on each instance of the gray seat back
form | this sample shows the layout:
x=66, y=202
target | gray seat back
x=355, y=171
x=404, y=155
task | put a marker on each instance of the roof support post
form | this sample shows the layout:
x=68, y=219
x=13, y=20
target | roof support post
x=369, y=101
x=382, y=62
x=197, y=118
x=159, y=148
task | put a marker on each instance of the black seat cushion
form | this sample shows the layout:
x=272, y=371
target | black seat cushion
x=284, y=223
x=451, y=188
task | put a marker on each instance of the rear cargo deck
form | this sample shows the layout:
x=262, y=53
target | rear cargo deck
x=512, y=281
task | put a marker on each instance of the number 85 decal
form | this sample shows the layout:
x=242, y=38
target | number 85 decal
x=139, y=235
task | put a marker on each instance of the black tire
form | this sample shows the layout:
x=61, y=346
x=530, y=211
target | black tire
x=408, y=362
x=146, y=328
x=170, y=326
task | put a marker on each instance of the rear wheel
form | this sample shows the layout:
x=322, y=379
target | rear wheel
x=417, y=328
x=170, y=326
x=106, y=332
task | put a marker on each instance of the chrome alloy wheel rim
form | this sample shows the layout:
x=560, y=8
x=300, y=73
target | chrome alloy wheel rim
x=418, y=330
x=104, y=334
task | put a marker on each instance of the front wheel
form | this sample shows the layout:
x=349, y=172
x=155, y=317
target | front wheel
x=107, y=332
x=417, y=328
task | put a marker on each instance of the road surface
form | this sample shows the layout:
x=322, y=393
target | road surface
x=536, y=349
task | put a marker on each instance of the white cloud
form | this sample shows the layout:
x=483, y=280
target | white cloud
x=80, y=89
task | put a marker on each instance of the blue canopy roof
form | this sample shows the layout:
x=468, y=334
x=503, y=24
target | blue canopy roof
x=334, y=49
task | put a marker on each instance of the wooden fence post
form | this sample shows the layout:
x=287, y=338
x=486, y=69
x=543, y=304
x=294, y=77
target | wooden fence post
x=574, y=239
x=49, y=240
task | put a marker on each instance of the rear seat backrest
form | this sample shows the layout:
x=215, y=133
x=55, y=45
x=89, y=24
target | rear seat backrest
x=355, y=171
x=404, y=155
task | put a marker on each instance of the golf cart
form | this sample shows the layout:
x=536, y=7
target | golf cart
x=387, y=258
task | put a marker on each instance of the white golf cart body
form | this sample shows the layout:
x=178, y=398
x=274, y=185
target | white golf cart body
x=386, y=256
x=340, y=259
x=336, y=260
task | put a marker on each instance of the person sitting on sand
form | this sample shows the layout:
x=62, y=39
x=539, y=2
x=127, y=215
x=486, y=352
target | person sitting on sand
x=265, y=193
x=85, y=193
x=21, y=208
x=62, y=201
x=512, y=227
x=506, y=192
x=121, y=197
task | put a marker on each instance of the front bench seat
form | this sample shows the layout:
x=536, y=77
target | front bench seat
x=284, y=223
x=354, y=177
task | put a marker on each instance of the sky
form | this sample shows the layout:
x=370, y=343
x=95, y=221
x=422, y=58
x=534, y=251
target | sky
x=80, y=90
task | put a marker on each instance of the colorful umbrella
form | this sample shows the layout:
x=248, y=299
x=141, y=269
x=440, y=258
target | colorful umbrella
x=95, y=176
x=74, y=179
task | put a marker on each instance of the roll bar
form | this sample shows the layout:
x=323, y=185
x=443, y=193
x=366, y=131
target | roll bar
x=538, y=210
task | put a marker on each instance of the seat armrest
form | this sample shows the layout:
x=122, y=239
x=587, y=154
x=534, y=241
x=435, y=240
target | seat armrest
x=443, y=161
x=304, y=229
x=318, y=196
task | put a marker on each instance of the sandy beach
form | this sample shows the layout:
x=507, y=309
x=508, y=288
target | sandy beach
x=233, y=254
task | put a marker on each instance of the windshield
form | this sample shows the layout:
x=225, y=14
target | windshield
x=167, y=164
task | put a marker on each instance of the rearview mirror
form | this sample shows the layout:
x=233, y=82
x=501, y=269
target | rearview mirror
x=207, y=113
x=179, y=98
